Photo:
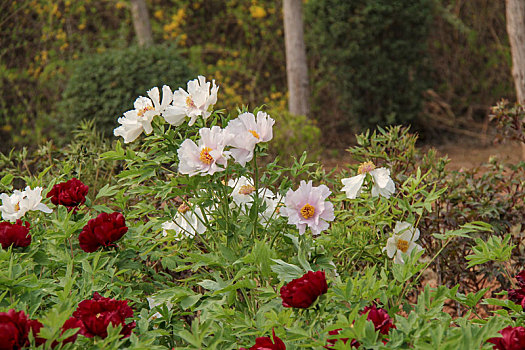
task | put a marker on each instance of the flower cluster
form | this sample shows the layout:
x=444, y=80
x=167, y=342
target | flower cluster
x=174, y=108
x=20, y=202
x=210, y=155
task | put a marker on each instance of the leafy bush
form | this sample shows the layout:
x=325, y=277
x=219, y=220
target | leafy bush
x=101, y=86
x=492, y=193
x=373, y=53
x=175, y=252
x=296, y=134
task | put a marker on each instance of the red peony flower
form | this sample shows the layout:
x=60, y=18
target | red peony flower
x=331, y=342
x=95, y=315
x=521, y=278
x=302, y=292
x=102, y=231
x=15, y=328
x=14, y=234
x=265, y=343
x=71, y=323
x=70, y=194
x=513, y=339
x=518, y=295
x=380, y=319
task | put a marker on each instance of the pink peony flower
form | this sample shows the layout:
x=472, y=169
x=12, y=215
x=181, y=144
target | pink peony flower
x=308, y=207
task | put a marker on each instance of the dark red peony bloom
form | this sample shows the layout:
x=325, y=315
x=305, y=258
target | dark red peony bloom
x=102, y=231
x=15, y=328
x=95, y=315
x=331, y=342
x=70, y=194
x=265, y=343
x=71, y=323
x=521, y=278
x=518, y=295
x=380, y=319
x=513, y=339
x=302, y=292
x=14, y=234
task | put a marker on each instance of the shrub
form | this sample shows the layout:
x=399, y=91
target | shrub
x=101, y=86
x=372, y=52
x=295, y=135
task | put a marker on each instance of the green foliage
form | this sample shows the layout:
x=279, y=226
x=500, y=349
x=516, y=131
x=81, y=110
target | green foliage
x=295, y=135
x=495, y=249
x=102, y=86
x=373, y=53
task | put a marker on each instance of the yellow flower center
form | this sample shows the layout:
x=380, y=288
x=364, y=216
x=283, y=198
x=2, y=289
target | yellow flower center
x=402, y=245
x=205, y=156
x=307, y=211
x=365, y=167
x=246, y=189
x=183, y=208
x=254, y=133
x=144, y=110
x=17, y=206
x=190, y=103
x=98, y=315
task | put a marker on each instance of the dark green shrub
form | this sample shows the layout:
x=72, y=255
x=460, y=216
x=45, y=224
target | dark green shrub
x=293, y=135
x=372, y=53
x=105, y=85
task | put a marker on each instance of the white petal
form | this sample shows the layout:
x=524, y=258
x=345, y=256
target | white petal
x=380, y=176
x=352, y=185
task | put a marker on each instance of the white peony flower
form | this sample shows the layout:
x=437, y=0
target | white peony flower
x=248, y=132
x=15, y=206
x=206, y=157
x=382, y=184
x=402, y=242
x=273, y=208
x=307, y=206
x=139, y=119
x=196, y=102
x=188, y=221
x=11, y=210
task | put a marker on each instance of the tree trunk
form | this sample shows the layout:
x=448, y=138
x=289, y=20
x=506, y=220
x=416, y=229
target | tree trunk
x=296, y=67
x=516, y=31
x=140, y=16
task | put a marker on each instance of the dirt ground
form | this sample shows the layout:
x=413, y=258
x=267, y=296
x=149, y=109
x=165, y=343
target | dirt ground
x=465, y=153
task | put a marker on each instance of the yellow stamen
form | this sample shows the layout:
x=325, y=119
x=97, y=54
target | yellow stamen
x=365, y=167
x=144, y=110
x=307, y=211
x=205, y=156
x=402, y=245
x=254, y=133
x=183, y=208
x=17, y=206
x=246, y=189
x=190, y=103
